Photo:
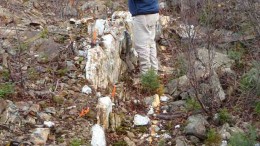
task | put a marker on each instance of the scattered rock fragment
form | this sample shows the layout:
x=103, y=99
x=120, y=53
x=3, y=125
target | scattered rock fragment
x=86, y=89
x=181, y=141
x=129, y=141
x=40, y=136
x=140, y=120
x=8, y=112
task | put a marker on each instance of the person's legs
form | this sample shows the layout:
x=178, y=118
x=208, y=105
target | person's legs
x=141, y=42
x=152, y=21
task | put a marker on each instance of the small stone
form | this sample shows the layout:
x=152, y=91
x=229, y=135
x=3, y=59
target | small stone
x=82, y=53
x=51, y=137
x=86, y=89
x=3, y=105
x=98, y=94
x=40, y=136
x=76, y=58
x=156, y=100
x=157, y=128
x=50, y=110
x=194, y=139
x=22, y=106
x=163, y=48
x=178, y=103
x=164, y=98
x=233, y=130
x=44, y=116
x=140, y=120
x=43, y=104
x=181, y=141
x=58, y=99
x=8, y=112
x=166, y=136
x=151, y=111
x=130, y=134
x=155, y=122
x=165, y=107
x=24, y=68
x=71, y=66
x=224, y=133
x=73, y=111
x=35, y=108
x=129, y=142
x=148, y=100
x=177, y=126
x=48, y=124
x=175, y=84
x=30, y=120
x=124, y=110
x=184, y=95
x=225, y=143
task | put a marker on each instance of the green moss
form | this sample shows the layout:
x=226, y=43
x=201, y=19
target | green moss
x=33, y=74
x=250, y=80
x=58, y=99
x=244, y=139
x=213, y=138
x=150, y=81
x=6, y=89
x=141, y=129
x=62, y=72
x=120, y=143
x=44, y=33
x=61, y=39
x=5, y=74
x=60, y=140
x=162, y=142
x=224, y=116
x=76, y=142
x=257, y=108
x=192, y=104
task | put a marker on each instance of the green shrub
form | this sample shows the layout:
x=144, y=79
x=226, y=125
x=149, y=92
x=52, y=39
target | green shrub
x=162, y=142
x=257, y=108
x=44, y=33
x=119, y=143
x=213, y=138
x=242, y=139
x=224, y=116
x=76, y=142
x=62, y=72
x=235, y=55
x=6, y=89
x=251, y=79
x=192, y=104
x=5, y=74
x=33, y=74
x=150, y=81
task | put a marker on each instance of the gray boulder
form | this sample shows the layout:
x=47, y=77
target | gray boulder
x=196, y=126
x=8, y=112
